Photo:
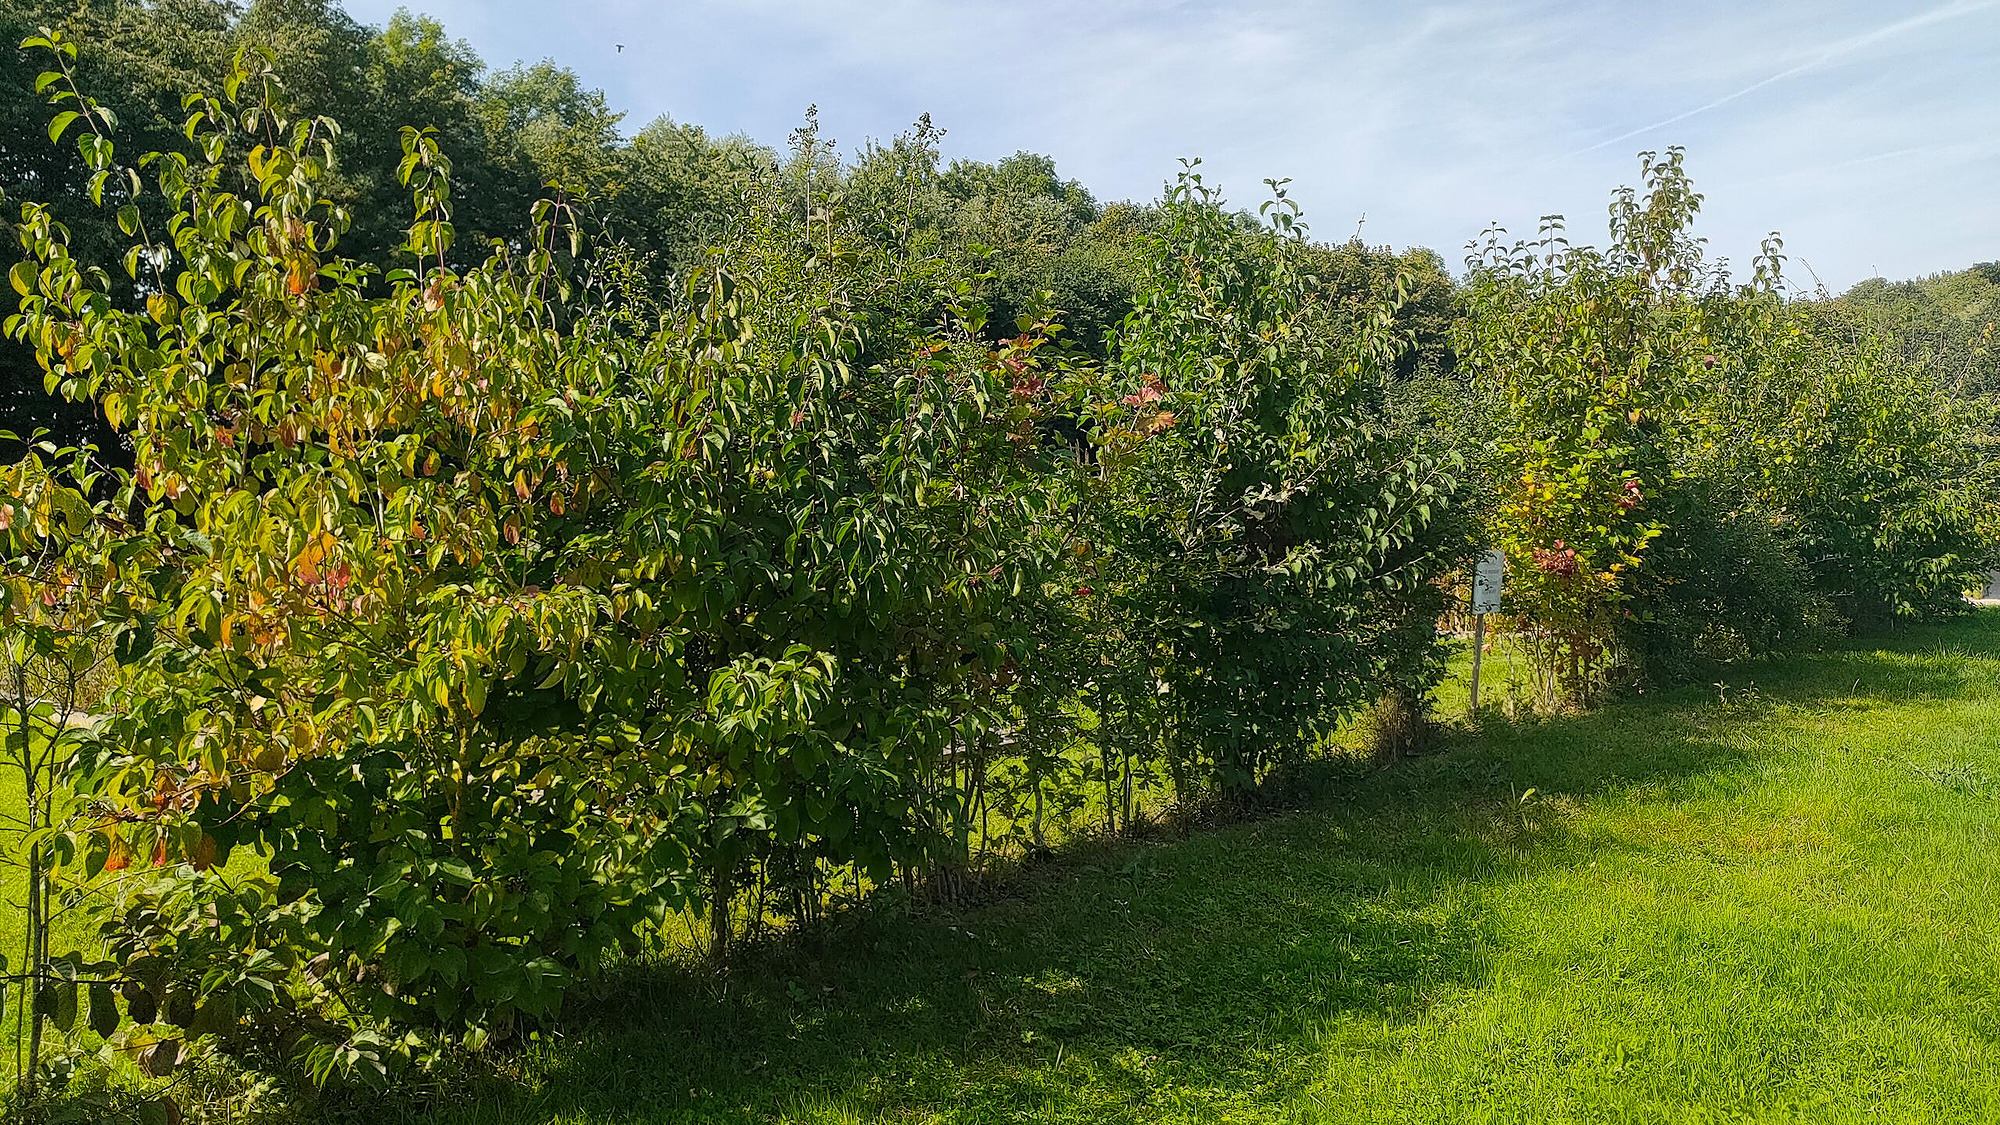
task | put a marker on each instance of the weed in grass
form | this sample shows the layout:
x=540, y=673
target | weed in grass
x=1958, y=777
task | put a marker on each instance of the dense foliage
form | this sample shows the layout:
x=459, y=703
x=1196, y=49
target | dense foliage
x=463, y=549
x=504, y=612
x=1271, y=554
x=1683, y=468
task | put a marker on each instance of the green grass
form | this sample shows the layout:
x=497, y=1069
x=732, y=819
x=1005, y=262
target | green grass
x=1777, y=901
x=72, y=930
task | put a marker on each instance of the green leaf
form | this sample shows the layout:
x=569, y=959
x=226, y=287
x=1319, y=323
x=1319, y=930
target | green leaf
x=103, y=1010
x=142, y=1005
x=60, y=124
x=159, y=1059
x=96, y=851
x=133, y=642
x=62, y=1004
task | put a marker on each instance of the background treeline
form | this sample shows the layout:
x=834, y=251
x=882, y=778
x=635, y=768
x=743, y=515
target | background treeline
x=665, y=189
x=509, y=537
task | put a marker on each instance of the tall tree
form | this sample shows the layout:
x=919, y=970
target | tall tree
x=677, y=187
x=143, y=57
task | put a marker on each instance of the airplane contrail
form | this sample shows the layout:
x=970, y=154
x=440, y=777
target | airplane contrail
x=1826, y=55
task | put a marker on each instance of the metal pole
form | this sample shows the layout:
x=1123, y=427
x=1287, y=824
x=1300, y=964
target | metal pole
x=1478, y=650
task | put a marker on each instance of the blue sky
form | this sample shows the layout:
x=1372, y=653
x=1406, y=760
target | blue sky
x=1868, y=132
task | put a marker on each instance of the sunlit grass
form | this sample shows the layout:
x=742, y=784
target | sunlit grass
x=71, y=929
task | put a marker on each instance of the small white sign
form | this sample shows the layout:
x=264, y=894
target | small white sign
x=1486, y=582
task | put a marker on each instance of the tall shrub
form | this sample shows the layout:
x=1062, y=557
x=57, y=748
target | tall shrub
x=1269, y=548
x=1688, y=469
x=501, y=628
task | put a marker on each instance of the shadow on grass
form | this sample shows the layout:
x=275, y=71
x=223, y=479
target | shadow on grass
x=1202, y=963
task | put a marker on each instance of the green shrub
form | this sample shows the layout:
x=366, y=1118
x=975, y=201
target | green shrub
x=503, y=612
x=1722, y=583
x=1688, y=470
x=1271, y=550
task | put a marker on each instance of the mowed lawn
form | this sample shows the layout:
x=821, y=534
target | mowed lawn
x=1772, y=901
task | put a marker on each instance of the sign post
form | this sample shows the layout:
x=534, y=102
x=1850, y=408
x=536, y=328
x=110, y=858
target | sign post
x=1487, y=578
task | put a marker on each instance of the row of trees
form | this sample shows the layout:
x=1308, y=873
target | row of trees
x=1684, y=470
x=667, y=190
x=476, y=597
x=503, y=611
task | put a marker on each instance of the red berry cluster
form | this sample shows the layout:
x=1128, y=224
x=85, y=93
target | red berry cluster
x=1559, y=560
x=1631, y=498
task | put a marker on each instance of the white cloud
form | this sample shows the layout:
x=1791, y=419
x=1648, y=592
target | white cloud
x=1819, y=58
x=1862, y=129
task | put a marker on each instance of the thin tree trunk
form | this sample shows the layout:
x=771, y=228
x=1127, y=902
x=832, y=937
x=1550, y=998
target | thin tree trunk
x=1039, y=844
x=1110, y=802
x=36, y=968
x=1126, y=797
x=721, y=895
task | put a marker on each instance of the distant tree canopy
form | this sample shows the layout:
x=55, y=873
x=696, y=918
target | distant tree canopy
x=1949, y=322
x=1021, y=235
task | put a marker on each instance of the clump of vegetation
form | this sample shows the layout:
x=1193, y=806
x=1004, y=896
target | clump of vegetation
x=504, y=612
x=467, y=554
x=1687, y=468
x=1399, y=726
